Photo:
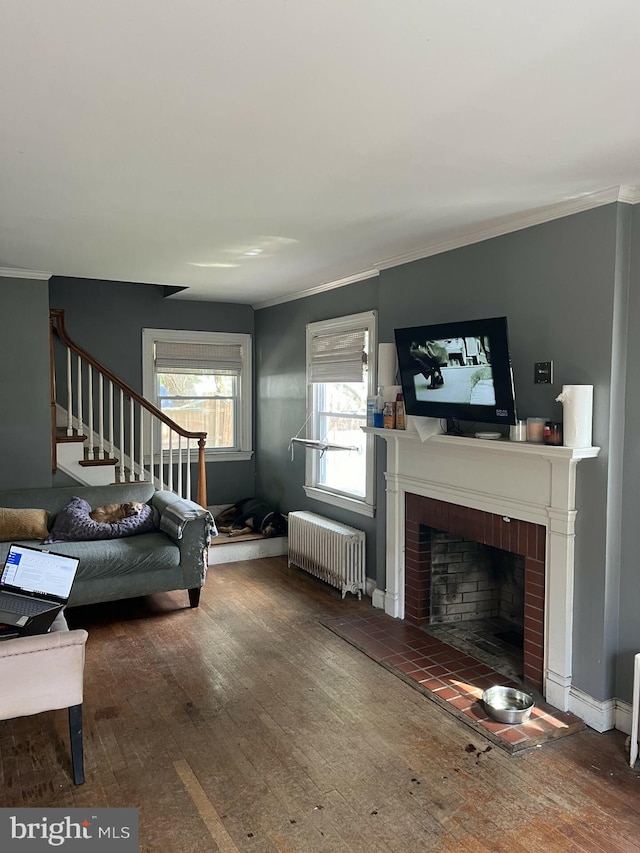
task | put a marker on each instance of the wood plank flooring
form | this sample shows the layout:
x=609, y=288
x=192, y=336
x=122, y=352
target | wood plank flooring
x=246, y=725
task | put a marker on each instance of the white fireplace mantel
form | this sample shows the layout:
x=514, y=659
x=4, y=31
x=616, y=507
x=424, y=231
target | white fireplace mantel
x=531, y=482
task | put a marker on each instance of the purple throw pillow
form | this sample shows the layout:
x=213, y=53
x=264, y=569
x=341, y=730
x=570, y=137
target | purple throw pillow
x=73, y=524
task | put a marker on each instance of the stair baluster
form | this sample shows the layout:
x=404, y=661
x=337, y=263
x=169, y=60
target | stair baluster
x=80, y=424
x=92, y=449
x=121, y=475
x=100, y=417
x=142, y=474
x=111, y=445
x=69, y=395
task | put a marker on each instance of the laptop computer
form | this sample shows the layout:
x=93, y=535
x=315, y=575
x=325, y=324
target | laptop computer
x=34, y=587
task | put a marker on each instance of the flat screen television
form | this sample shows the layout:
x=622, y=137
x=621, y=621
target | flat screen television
x=458, y=371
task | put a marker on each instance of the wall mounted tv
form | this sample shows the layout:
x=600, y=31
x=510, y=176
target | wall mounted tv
x=458, y=371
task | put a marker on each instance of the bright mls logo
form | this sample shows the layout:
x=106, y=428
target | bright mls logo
x=69, y=829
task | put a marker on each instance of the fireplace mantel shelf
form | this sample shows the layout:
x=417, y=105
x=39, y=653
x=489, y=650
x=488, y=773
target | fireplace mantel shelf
x=493, y=446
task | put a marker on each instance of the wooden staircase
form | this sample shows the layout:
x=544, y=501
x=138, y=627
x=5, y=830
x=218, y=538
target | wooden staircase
x=103, y=431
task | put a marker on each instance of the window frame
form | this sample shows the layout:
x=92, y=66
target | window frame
x=361, y=505
x=244, y=451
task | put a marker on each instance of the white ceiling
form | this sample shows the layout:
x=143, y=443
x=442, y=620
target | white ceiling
x=165, y=142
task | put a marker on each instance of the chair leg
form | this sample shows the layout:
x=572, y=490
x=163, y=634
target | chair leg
x=75, y=736
x=194, y=596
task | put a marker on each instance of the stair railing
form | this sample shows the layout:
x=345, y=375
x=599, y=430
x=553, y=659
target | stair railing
x=121, y=424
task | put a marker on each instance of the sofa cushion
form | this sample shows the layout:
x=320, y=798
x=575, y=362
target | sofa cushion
x=73, y=523
x=24, y=524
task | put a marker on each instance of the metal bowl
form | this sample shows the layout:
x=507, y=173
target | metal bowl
x=507, y=705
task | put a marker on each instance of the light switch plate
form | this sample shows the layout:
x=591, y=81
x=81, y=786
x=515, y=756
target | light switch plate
x=543, y=372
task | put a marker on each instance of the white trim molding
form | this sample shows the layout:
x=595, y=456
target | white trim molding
x=35, y=275
x=600, y=716
x=519, y=221
x=377, y=598
x=623, y=716
x=320, y=288
x=484, y=231
x=244, y=451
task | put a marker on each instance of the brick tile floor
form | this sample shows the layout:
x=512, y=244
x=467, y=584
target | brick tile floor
x=450, y=677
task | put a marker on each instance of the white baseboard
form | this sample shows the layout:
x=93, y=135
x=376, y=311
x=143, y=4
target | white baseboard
x=252, y=549
x=600, y=716
x=623, y=715
x=377, y=598
x=370, y=587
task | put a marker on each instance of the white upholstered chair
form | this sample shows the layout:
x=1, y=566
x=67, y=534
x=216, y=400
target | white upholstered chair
x=635, y=713
x=45, y=672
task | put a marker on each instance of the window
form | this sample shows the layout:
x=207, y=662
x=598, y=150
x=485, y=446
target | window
x=340, y=375
x=201, y=380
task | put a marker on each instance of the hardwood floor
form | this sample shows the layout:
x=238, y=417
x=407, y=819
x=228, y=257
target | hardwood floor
x=247, y=725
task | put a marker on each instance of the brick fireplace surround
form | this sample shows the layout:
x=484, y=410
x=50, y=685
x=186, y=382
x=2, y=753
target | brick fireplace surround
x=423, y=514
x=519, y=497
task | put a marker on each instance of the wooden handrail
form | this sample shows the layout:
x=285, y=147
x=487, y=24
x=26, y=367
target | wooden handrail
x=57, y=326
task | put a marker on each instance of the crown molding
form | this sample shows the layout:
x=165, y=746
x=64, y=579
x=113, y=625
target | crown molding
x=630, y=195
x=321, y=288
x=496, y=228
x=509, y=224
x=7, y=272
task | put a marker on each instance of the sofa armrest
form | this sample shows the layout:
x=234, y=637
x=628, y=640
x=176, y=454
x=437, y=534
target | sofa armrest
x=177, y=513
x=191, y=527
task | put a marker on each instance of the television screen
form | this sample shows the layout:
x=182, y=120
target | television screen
x=459, y=371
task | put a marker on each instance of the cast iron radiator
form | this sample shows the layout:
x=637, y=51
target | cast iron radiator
x=328, y=550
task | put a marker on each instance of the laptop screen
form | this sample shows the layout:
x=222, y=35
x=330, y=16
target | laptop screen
x=39, y=572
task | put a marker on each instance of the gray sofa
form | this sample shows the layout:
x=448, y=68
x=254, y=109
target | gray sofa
x=137, y=565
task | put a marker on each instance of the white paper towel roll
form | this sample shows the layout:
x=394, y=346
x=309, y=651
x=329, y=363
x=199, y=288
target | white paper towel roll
x=387, y=364
x=577, y=409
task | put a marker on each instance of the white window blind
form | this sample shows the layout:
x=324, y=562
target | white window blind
x=184, y=355
x=337, y=356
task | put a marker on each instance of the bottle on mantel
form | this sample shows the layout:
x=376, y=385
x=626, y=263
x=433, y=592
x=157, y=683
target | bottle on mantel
x=378, y=417
x=389, y=416
x=400, y=412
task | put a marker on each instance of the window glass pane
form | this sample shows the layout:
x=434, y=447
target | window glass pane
x=343, y=470
x=199, y=401
x=215, y=417
x=343, y=397
x=194, y=383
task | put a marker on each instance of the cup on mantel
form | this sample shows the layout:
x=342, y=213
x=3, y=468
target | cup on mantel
x=518, y=431
x=535, y=430
x=553, y=433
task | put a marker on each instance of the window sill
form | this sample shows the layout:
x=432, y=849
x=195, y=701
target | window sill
x=351, y=504
x=227, y=456
x=209, y=456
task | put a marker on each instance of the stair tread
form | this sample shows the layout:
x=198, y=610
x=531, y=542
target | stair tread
x=62, y=437
x=93, y=463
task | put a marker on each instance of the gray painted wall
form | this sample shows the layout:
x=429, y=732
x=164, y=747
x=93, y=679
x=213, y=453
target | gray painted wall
x=629, y=622
x=106, y=318
x=282, y=399
x=25, y=419
x=558, y=284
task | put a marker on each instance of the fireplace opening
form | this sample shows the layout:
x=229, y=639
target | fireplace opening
x=480, y=576
x=476, y=601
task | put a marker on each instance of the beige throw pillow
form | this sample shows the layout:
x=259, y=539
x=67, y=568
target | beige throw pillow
x=23, y=524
